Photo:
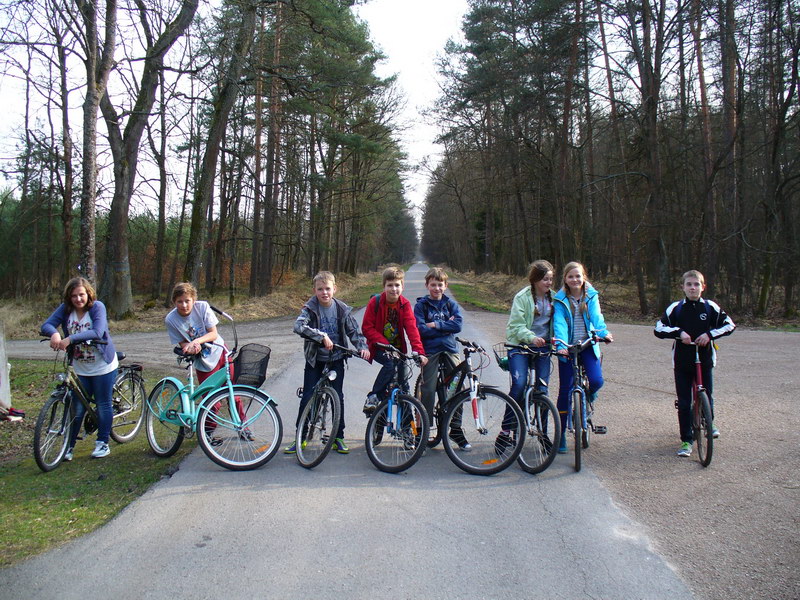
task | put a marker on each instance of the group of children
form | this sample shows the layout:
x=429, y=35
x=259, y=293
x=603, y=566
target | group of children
x=538, y=318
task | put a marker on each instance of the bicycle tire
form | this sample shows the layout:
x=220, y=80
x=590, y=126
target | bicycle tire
x=51, y=433
x=239, y=447
x=394, y=442
x=703, y=434
x=542, y=435
x=577, y=425
x=319, y=424
x=490, y=453
x=586, y=434
x=128, y=402
x=164, y=435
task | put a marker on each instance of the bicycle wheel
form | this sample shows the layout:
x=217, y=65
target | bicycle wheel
x=164, y=432
x=51, y=433
x=394, y=438
x=319, y=424
x=543, y=432
x=244, y=446
x=577, y=425
x=128, y=405
x=492, y=425
x=702, y=431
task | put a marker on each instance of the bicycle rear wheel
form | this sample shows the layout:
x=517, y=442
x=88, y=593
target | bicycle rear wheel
x=397, y=437
x=703, y=434
x=577, y=425
x=244, y=446
x=128, y=402
x=492, y=425
x=542, y=435
x=51, y=433
x=164, y=432
x=319, y=424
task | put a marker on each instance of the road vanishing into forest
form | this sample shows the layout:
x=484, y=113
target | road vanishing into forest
x=346, y=530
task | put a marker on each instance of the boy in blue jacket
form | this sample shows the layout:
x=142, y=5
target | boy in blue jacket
x=438, y=321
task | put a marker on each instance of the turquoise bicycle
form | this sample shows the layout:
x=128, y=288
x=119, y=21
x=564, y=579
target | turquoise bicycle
x=237, y=425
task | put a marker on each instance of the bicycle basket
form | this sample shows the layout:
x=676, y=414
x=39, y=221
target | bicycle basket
x=250, y=365
x=501, y=355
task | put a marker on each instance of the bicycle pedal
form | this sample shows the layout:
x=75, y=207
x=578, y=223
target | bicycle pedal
x=171, y=414
x=299, y=392
x=599, y=429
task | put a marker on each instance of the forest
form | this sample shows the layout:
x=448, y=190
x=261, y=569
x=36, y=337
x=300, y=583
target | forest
x=641, y=138
x=229, y=143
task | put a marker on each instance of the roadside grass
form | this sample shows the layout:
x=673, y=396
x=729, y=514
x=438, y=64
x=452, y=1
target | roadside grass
x=44, y=510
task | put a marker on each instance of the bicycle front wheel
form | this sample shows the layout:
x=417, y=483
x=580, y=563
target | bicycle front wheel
x=319, y=424
x=242, y=434
x=51, y=433
x=397, y=435
x=577, y=425
x=703, y=434
x=542, y=435
x=128, y=402
x=164, y=432
x=492, y=424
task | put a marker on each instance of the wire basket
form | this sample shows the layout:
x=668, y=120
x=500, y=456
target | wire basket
x=501, y=355
x=250, y=365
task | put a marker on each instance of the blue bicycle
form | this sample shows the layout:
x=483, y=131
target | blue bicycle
x=397, y=431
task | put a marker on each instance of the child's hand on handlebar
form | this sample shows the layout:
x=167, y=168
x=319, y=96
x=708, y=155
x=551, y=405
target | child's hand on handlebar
x=703, y=340
x=365, y=354
x=326, y=341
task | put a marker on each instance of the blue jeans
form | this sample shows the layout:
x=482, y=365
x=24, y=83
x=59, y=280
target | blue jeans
x=566, y=377
x=386, y=374
x=311, y=376
x=518, y=363
x=99, y=390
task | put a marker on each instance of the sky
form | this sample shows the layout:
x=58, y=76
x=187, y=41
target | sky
x=411, y=33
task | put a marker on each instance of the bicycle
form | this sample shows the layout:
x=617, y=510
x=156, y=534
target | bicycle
x=542, y=423
x=497, y=437
x=447, y=384
x=702, y=418
x=319, y=422
x=53, y=425
x=237, y=425
x=580, y=410
x=397, y=430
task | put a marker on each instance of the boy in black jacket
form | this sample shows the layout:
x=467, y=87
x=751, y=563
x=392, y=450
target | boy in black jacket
x=699, y=321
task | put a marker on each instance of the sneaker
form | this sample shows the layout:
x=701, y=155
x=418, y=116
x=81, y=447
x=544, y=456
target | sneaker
x=291, y=448
x=247, y=435
x=502, y=443
x=371, y=404
x=340, y=446
x=101, y=449
x=714, y=431
x=68, y=455
x=457, y=435
x=685, y=450
x=562, y=445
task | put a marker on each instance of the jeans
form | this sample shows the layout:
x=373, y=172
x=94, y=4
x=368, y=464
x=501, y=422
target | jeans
x=99, y=389
x=518, y=363
x=566, y=376
x=386, y=374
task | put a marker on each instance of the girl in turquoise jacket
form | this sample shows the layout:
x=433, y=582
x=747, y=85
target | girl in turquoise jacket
x=576, y=316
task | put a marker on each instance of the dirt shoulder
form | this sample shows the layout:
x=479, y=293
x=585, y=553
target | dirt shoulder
x=730, y=529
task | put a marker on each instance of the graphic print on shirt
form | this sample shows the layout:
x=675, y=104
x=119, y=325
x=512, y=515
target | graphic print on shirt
x=391, y=328
x=83, y=352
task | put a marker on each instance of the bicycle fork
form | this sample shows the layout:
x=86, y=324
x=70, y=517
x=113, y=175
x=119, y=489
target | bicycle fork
x=477, y=406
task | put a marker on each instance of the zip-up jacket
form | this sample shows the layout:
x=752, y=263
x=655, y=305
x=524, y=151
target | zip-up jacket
x=695, y=318
x=518, y=330
x=372, y=326
x=564, y=324
x=308, y=321
x=446, y=315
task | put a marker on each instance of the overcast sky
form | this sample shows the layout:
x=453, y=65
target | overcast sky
x=411, y=33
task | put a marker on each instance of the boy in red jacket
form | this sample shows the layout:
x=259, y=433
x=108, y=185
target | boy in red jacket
x=388, y=319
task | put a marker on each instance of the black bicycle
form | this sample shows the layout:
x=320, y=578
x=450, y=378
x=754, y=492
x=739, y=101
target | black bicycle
x=319, y=421
x=542, y=423
x=54, y=423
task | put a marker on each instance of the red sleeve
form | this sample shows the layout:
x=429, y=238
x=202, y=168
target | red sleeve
x=369, y=327
x=410, y=326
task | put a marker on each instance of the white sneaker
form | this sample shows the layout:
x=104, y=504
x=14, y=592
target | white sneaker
x=68, y=455
x=101, y=449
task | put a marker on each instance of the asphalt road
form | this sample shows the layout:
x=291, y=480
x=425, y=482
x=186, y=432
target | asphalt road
x=346, y=530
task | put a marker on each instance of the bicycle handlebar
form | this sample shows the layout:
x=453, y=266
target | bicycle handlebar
x=547, y=349
x=389, y=349
x=470, y=346
x=348, y=351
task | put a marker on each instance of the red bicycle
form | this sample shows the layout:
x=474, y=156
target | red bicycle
x=702, y=419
